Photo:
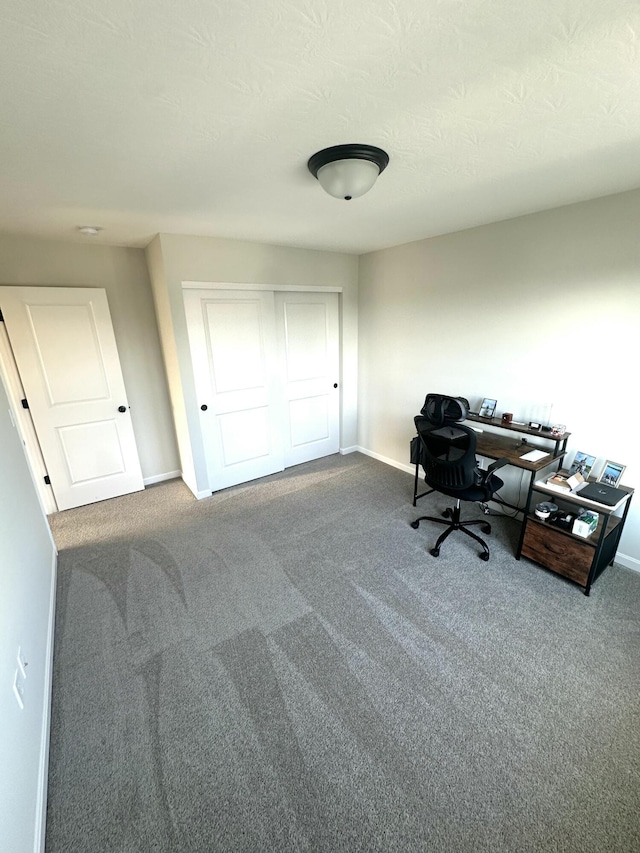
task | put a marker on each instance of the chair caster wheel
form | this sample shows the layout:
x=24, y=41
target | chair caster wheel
x=414, y=524
x=484, y=556
x=446, y=513
x=486, y=528
x=435, y=552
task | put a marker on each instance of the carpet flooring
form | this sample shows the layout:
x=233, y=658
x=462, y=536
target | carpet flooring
x=285, y=667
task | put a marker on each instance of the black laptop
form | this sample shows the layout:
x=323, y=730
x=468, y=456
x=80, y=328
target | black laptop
x=601, y=493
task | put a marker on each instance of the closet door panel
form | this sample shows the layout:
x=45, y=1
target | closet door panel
x=308, y=338
x=234, y=353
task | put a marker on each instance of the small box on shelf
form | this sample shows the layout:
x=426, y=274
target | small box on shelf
x=561, y=480
x=585, y=524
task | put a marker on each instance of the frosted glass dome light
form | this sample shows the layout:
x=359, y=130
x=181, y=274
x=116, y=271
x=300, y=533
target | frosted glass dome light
x=348, y=171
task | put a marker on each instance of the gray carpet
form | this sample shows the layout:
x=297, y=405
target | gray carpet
x=284, y=667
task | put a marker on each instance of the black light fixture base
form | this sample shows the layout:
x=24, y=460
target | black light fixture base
x=351, y=151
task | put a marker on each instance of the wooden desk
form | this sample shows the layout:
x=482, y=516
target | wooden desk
x=510, y=445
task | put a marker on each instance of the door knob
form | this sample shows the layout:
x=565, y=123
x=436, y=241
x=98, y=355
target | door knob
x=204, y=407
x=122, y=408
x=335, y=384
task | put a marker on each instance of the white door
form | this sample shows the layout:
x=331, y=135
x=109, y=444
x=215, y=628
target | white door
x=235, y=362
x=308, y=336
x=65, y=350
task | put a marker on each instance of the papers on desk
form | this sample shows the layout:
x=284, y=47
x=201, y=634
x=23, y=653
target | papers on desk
x=534, y=455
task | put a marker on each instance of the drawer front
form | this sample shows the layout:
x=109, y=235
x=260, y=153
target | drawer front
x=561, y=554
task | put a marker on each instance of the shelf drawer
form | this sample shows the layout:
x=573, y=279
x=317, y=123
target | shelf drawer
x=558, y=552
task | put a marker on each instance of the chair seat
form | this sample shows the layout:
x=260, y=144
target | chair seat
x=475, y=493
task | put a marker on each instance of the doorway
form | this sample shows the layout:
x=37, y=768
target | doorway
x=63, y=346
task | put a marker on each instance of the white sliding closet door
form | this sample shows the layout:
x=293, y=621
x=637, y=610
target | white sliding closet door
x=235, y=363
x=266, y=374
x=65, y=350
x=308, y=337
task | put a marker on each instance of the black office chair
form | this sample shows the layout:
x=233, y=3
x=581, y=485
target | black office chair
x=448, y=457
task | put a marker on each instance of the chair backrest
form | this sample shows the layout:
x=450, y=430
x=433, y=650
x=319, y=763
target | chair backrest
x=447, y=454
x=441, y=409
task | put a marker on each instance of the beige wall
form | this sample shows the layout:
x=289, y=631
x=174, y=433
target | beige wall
x=175, y=259
x=123, y=274
x=539, y=310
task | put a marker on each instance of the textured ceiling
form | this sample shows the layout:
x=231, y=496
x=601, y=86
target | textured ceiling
x=198, y=117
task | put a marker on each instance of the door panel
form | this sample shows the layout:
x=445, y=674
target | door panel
x=234, y=355
x=308, y=333
x=66, y=379
x=65, y=350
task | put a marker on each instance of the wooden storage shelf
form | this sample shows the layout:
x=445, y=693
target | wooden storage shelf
x=580, y=559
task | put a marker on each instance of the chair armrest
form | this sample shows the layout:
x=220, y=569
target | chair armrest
x=499, y=463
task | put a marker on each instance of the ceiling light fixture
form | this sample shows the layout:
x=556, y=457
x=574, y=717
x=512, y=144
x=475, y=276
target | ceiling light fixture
x=89, y=230
x=348, y=171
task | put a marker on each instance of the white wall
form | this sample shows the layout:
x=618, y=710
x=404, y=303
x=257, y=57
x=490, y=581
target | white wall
x=174, y=259
x=27, y=594
x=536, y=310
x=123, y=274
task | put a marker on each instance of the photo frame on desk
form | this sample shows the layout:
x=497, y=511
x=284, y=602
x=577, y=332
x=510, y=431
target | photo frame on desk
x=582, y=464
x=487, y=408
x=611, y=473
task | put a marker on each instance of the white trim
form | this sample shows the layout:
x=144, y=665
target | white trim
x=160, y=478
x=345, y=450
x=225, y=285
x=198, y=494
x=43, y=771
x=627, y=562
x=410, y=469
x=23, y=422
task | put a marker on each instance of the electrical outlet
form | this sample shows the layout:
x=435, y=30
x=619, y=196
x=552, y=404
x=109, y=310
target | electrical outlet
x=18, y=688
x=22, y=662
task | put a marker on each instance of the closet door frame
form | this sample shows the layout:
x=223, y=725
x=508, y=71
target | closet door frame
x=188, y=285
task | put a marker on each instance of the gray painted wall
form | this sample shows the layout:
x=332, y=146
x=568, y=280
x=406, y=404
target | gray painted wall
x=27, y=590
x=539, y=310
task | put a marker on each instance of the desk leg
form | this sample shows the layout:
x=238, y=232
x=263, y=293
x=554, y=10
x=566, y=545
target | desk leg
x=595, y=563
x=527, y=509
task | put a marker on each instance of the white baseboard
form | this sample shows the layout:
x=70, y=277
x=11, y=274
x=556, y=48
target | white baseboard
x=628, y=562
x=43, y=771
x=346, y=450
x=409, y=468
x=160, y=478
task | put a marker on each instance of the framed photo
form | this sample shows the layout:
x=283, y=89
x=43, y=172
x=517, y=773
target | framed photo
x=582, y=464
x=611, y=473
x=488, y=408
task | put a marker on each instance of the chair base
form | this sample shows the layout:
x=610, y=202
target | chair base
x=455, y=524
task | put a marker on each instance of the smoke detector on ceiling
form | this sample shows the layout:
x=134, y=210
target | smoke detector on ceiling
x=89, y=230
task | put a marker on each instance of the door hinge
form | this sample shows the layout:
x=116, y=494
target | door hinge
x=47, y=480
x=25, y=404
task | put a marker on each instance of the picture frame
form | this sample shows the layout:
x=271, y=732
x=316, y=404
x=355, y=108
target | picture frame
x=611, y=473
x=488, y=408
x=582, y=464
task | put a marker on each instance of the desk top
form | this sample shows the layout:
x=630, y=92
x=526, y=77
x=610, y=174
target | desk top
x=511, y=448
